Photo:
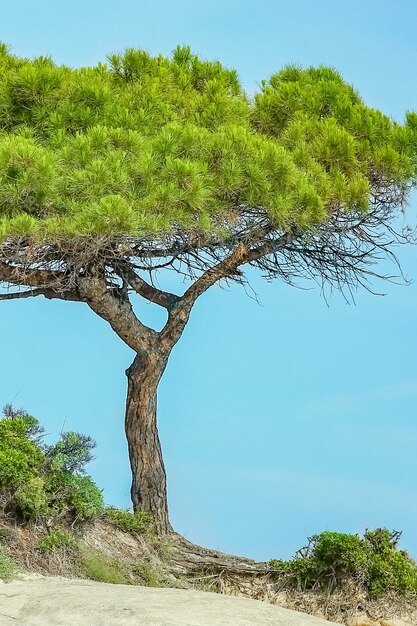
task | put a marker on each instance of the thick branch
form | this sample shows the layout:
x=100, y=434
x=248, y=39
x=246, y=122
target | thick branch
x=30, y=277
x=51, y=285
x=50, y=294
x=338, y=252
x=118, y=312
x=92, y=290
x=147, y=291
x=227, y=268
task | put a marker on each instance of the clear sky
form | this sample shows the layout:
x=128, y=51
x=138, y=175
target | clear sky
x=277, y=420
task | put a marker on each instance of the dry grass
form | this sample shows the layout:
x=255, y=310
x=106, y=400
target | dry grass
x=351, y=607
x=138, y=559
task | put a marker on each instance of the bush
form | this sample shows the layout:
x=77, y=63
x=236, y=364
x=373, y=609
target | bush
x=77, y=496
x=97, y=566
x=57, y=538
x=389, y=568
x=20, y=457
x=331, y=561
x=31, y=498
x=7, y=568
x=38, y=481
x=71, y=453
x=149, y=575
x=339, y=557
x=128, y=522
x=85, y=497
x=6, y=536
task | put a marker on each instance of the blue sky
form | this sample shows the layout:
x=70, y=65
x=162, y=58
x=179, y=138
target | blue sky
x=279, y=419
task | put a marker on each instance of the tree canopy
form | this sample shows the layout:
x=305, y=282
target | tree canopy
x=150, y=163
x=156, y=148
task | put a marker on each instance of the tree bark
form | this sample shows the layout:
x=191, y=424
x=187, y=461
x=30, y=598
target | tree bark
x=149, y=488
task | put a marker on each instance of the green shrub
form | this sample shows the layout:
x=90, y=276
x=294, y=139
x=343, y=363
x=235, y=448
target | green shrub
x=333, y=560
x=97, y=566
x=57, y=538
x=149, y=575
x=79, y=496
x=71, y=453
x=85, y=497
x=6, y=536
x=31, y=498
x=39, y=481
x=339, y=557
x=329, y=560
x=128, y=522
x=389, y=568
x=20, y=457
x=7, y=568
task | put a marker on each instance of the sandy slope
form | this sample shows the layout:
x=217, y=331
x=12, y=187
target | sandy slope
x=63, y=602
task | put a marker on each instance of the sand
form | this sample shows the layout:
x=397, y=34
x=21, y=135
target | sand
x=48, y=601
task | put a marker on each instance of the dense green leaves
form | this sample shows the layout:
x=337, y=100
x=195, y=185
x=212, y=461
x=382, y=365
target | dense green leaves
x=335, y=561
x=38, y=481
x=71, y=453
x=128, y=522
x=147, y=144
x=20, y=456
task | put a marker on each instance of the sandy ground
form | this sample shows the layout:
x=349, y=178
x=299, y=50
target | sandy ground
x=63, y=602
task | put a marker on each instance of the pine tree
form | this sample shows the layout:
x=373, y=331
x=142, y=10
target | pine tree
x=114, y=173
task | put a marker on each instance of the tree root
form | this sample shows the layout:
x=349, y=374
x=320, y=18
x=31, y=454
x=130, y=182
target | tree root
x=189, y=558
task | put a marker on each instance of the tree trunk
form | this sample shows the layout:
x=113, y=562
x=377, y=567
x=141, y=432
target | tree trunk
x=148, y=491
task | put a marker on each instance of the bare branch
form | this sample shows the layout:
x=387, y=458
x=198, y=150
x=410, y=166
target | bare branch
x=147, y=291
x=338, y=253
x=227, y=268
x=21, y=294
x=30, y=277
x=47, y=293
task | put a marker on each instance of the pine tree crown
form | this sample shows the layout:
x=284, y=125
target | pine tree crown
x=144, y=146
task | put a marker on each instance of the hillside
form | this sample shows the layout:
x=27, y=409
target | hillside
x=100, y=551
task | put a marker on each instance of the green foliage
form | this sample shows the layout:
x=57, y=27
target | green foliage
x=102, y=568
x=71, y=453
x=84, y=497
x=331, y=561
x=38, y=481
x=20, y=456
x=389, y=568
x=56, y=539
x=145, y=144
x=67, y=492
x=149, y=575
x=7, y=568
x=6, y=536
x=128, y=522
x=31, y=498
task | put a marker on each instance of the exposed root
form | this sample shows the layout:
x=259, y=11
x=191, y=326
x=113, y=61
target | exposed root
x=189, y=557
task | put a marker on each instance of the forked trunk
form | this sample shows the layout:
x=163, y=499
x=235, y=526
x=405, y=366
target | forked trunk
x=149, y=490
